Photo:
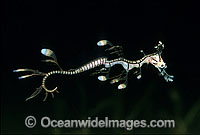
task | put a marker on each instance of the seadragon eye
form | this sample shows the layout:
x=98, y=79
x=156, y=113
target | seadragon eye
x=162, y=65
x=154, y=61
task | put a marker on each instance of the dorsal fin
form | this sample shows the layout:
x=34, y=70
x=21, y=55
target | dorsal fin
x=49, y=53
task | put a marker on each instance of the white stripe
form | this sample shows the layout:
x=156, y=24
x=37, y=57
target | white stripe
x=82, y=68
x=85, y=67
x=88, y=66
x=96, y=63
x=99, y=61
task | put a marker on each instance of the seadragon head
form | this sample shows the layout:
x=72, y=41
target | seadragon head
x=156, y=60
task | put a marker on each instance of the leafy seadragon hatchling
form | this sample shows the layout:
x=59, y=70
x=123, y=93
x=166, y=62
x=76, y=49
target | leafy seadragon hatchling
x=155, y=59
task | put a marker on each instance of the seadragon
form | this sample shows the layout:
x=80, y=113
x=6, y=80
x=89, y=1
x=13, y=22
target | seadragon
x=154, y=58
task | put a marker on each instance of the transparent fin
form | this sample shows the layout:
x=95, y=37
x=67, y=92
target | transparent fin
x=122, y=86
x=52, y=95
x=53, y=61
x=102, y=42
x=142, y=52
x=38, y=90
x=49, y=53
x=22, y=70
x=35, y=72
x=138, y=73
x=102, y=78
x=19, y=70
x=159, y=47
x=167, y=77
x=139, y=76
x=25, y=76
x=57, y=91
x=114, y=81
x=115, y=50
x=120, y=51
x=46, y=95
x=171, y=77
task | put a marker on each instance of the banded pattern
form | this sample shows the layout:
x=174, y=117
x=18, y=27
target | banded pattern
x=88, y=66
x=130, y=61
x=142, y=59
x=91, y=65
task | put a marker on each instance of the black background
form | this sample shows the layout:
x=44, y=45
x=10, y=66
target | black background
x=71, y=30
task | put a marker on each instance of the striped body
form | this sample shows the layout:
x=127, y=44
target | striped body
x=127, y=64
x=88, y=66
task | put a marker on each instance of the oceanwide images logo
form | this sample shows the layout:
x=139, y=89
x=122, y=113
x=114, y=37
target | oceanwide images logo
x=46, y=122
